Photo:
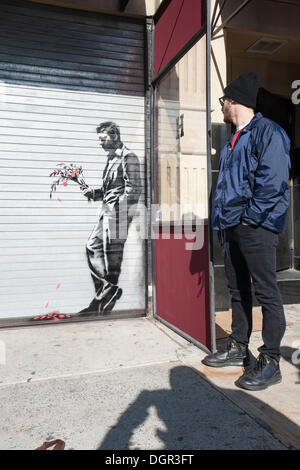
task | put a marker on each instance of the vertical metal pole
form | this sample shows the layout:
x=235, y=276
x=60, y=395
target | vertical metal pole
x=152, y=166
x=209, y=175
x=153, y=201
x=148, y=114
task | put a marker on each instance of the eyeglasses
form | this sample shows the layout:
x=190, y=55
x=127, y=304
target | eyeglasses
x=222, y=100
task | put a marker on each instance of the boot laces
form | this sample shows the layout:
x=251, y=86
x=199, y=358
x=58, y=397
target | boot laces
x=230, y=344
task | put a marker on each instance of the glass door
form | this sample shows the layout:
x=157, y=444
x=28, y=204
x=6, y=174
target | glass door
x=181, y=215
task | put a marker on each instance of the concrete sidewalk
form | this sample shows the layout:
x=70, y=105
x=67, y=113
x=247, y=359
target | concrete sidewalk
x=134, y=384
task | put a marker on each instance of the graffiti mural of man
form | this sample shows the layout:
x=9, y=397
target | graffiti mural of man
x=119, y=193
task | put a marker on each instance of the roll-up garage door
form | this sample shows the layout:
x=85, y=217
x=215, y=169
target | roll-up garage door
x=62, y=73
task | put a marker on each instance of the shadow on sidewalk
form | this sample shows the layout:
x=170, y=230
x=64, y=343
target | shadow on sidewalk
x=194, y=414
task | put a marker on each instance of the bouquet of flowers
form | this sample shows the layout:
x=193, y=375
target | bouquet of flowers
x=66, y=173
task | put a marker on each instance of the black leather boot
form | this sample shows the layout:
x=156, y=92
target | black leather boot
x=234, y=354
x=266, y=372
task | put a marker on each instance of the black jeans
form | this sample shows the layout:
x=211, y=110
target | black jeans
x=250, y=252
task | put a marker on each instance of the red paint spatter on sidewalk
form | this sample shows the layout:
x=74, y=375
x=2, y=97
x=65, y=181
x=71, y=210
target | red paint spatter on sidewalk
x=58, y=286
x=54, y=316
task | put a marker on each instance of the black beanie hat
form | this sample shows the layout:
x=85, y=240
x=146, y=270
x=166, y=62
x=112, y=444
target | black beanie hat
x=244, y=89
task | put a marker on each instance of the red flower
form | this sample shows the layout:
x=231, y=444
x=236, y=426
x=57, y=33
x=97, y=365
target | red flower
x=65, y=174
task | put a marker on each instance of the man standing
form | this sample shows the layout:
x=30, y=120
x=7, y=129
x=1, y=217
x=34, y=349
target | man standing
x=249, y=209
x=120, y=191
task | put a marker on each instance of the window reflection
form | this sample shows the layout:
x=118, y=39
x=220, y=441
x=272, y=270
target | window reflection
x=181, y=138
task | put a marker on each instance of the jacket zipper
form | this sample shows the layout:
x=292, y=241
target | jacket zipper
x=229, y=151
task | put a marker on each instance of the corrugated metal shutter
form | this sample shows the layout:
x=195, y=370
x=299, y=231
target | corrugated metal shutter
x=62, y=72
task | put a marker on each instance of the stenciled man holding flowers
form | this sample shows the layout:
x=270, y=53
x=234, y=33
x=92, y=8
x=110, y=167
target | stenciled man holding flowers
x=119, y=193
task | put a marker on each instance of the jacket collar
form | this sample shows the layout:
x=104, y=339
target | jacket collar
x=118, y=153
x=253, y=122
x=249, y=126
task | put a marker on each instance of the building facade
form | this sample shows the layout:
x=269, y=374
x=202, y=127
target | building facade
x=156, y=69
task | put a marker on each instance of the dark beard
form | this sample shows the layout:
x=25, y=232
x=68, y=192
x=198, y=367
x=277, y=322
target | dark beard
x=111, y=146
x=227, y=120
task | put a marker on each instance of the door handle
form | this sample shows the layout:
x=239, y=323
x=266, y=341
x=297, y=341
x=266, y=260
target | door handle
x=180, y=126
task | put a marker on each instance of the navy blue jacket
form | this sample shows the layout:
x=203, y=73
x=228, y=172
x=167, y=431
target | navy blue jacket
x=253, y=183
